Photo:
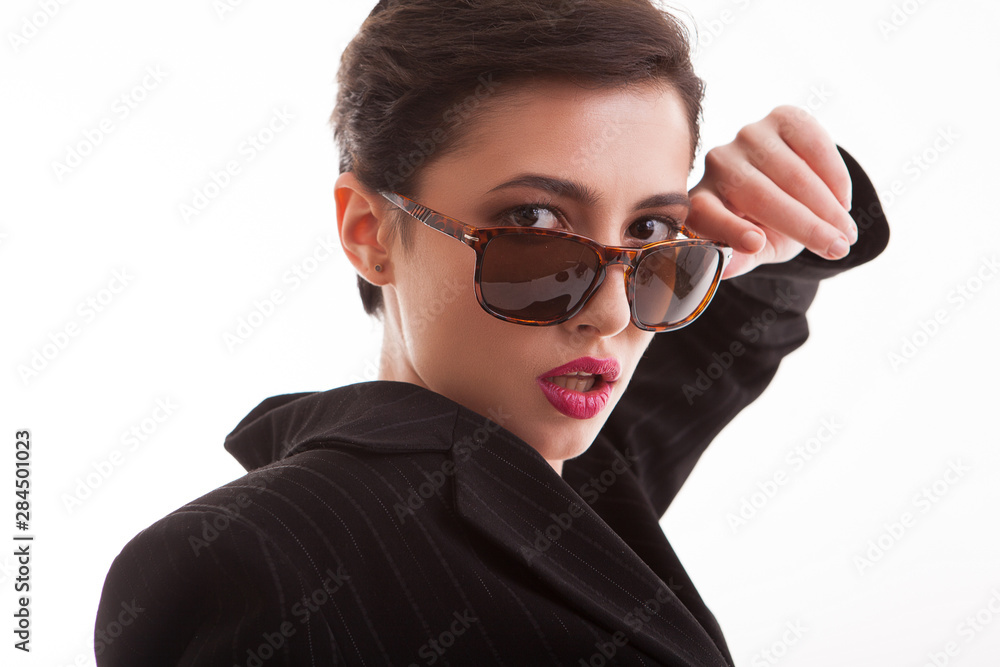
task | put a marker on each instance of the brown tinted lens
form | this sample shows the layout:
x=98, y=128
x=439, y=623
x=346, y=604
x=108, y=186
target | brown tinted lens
x=536, y=278
x=671, y=283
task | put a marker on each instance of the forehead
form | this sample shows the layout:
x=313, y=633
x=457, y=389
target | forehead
x=557, y=127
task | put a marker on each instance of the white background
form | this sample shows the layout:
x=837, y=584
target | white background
x=885, y=95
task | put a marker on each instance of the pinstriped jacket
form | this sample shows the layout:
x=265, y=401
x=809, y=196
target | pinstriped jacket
x=383, y=524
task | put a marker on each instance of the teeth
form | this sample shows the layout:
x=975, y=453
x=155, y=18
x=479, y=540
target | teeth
x=575, y=381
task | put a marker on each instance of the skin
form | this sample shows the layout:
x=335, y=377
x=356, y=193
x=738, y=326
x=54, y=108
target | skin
x=625, y=145
x=781, y=177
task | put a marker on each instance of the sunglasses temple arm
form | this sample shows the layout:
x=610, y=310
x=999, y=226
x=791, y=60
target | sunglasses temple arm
x=437, y=221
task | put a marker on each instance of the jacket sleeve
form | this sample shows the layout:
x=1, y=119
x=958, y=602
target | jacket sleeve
x=202, y=587
x=692, y=382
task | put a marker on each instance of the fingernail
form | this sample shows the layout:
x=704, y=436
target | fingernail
x=753, y=242
x=852, y=232
x=838, y=249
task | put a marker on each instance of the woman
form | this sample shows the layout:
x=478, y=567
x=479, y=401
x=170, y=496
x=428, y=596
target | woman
x=494, y=497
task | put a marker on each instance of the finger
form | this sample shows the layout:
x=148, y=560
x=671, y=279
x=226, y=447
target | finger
x=777, y=247
x=740, y=263
x=794, y=176
x=812, y=143
x=773, y=208
x=709, y=218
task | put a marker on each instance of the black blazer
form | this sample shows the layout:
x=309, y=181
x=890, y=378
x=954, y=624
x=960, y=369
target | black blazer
x=384, y=524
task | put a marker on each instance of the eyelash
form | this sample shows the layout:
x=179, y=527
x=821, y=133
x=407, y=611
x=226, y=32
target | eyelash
x=500, y=217
x=675, y=225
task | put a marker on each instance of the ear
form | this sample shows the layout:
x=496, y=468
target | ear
x=362, y=228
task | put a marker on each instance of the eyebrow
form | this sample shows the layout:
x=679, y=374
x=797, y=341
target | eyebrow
x=586, y=195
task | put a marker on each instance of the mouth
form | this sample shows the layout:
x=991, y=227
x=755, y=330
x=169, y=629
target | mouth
x=576, y=381
x=582, y=388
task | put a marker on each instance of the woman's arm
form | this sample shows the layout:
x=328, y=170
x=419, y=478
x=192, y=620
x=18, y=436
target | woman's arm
x=692, y=382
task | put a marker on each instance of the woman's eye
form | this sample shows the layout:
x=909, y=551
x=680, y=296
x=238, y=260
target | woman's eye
x=544, y=216
x=531, y=215
x=651, y=230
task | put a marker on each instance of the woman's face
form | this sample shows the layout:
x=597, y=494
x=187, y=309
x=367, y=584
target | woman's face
x=619, y=146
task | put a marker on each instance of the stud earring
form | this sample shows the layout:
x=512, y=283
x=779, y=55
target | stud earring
x=378, y=267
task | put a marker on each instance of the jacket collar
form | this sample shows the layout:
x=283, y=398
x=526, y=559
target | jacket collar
x=376, y=416
x=553, y=531
x=545, y=524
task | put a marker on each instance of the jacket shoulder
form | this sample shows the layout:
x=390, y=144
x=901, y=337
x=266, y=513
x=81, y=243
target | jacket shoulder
x=202, y=587
x=218, y=576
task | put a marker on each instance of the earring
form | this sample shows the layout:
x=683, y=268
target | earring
x=378, y=267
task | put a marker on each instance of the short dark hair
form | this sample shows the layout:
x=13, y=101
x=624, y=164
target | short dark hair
x=411, y=83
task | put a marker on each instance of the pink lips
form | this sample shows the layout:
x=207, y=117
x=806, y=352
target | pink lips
x=577, y=404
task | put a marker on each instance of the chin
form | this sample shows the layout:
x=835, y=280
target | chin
x=568, y=443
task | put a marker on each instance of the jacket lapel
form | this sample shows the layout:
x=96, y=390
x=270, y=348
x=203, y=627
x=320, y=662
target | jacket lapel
x=506, y=491
x=514, y=498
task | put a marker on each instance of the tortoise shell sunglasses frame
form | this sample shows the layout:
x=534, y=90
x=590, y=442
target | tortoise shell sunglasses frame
x=478, y=238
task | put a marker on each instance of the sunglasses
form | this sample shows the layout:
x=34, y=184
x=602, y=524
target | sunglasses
x=540, y=277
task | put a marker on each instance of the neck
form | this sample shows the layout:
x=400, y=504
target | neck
x=394, y=362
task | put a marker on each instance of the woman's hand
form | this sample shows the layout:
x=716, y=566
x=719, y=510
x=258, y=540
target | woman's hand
x=778, y=187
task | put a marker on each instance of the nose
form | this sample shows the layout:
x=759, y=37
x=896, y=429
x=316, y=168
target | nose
x=607, y=313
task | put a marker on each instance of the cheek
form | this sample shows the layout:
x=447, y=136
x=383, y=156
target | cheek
x=436, y=295
x=635, y=345
x=452, y=343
